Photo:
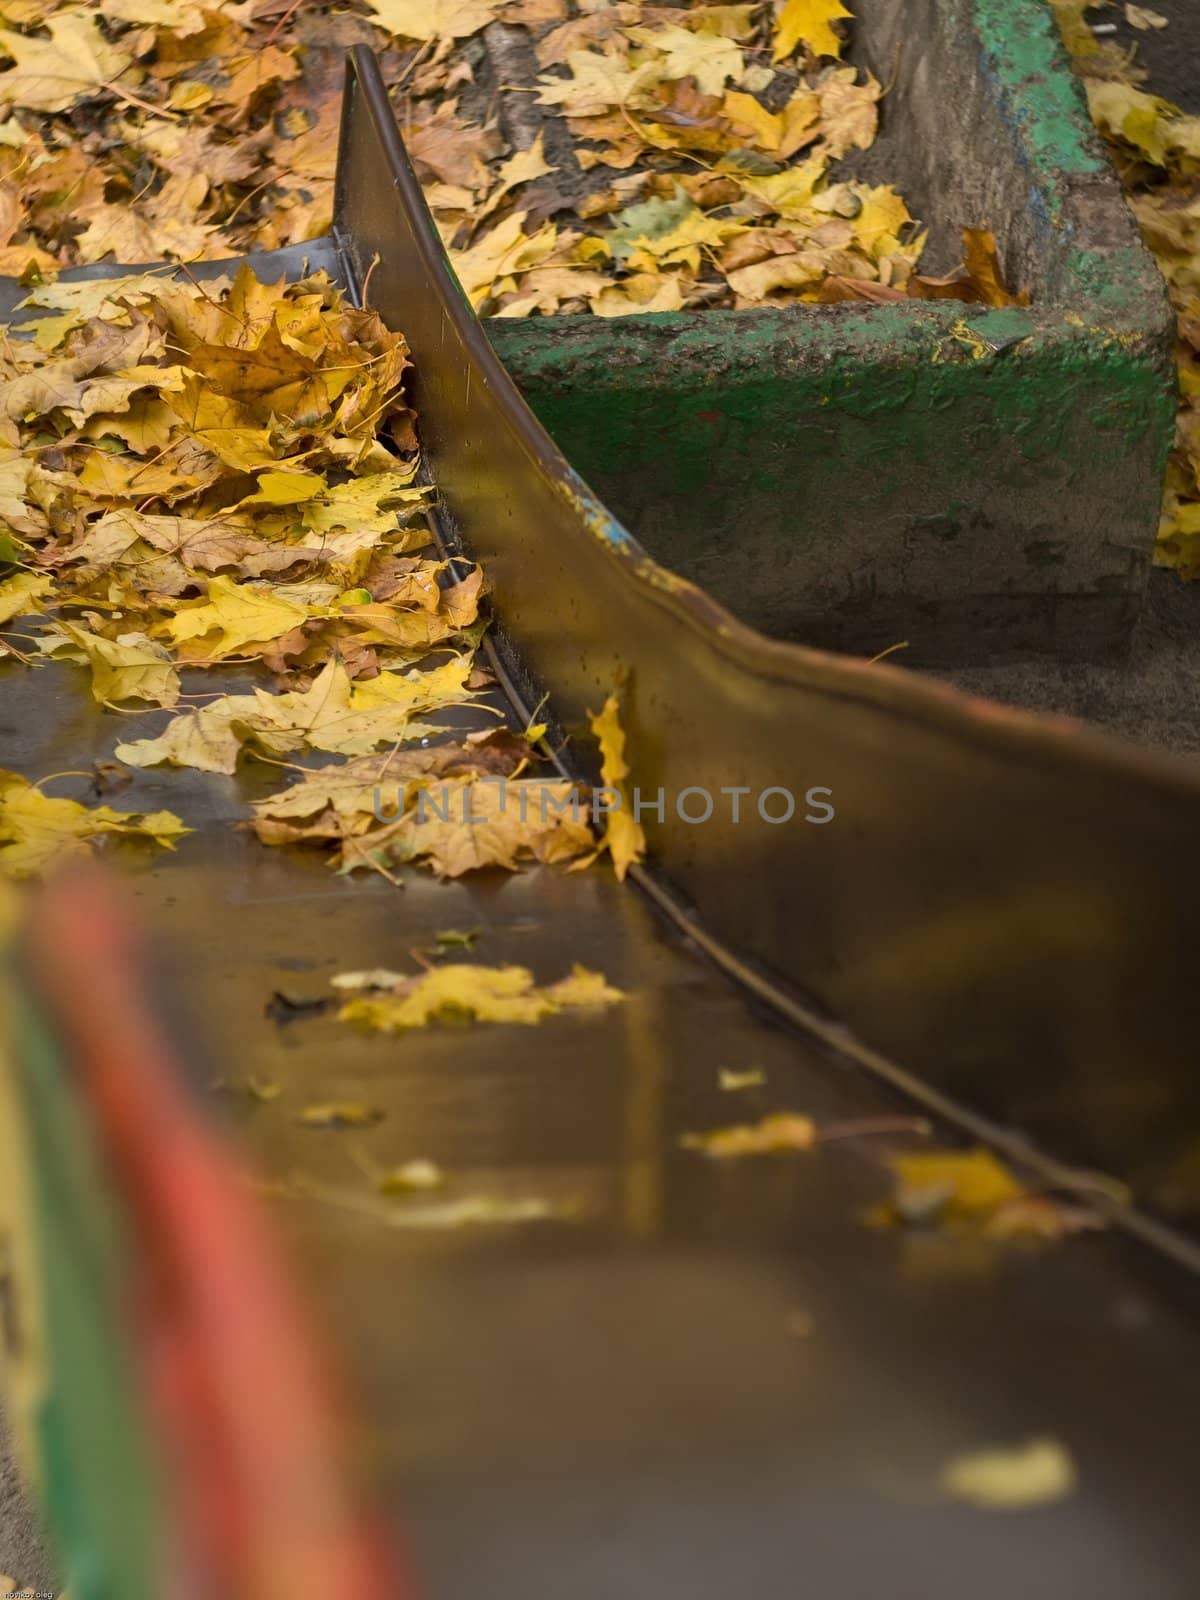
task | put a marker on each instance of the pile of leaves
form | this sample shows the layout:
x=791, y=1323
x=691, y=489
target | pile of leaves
x=695, y=145
x=200, y=477
x=137, y=129
x=700, y=167
x=1157, y=151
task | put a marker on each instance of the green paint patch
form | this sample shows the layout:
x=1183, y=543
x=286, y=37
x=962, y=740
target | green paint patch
x=1044, y=100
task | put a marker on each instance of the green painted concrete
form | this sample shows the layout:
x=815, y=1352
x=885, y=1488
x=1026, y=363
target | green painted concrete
x=1025, y=53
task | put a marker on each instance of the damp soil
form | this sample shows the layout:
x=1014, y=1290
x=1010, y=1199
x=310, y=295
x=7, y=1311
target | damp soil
x=1170, y=55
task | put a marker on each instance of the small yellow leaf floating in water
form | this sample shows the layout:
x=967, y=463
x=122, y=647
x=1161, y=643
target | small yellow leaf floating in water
x=37, y=830
x=971, y=1189
x=733, y=1082
x=624, y=837
x=473, y=1211
x=783, y=1130
x=340, y=1114
x=466, y=993
x=1037, y=1473
x=410, y=1212
x=412, y=1178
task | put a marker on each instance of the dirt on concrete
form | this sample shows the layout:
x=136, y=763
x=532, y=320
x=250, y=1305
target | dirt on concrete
x=1151, y=697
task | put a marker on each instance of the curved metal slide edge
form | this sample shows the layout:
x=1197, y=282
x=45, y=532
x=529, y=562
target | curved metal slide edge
x=997, y=898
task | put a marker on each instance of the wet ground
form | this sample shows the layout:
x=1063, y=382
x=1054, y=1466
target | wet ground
x=1170, y=55
x=689, y=1377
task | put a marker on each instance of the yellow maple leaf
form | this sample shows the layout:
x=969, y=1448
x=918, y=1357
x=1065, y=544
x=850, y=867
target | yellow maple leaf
x=1141, y=120
x=971, y=1189
x=790, y=192
x=522, y=167
x=582, y=988
x=340, y=1114
x=22, y=594
x=232, y=617
x=683, y=243
x=370, y=501
x=33, y=393
x=129, y=667
x=783, y=1130
x=461, y=826
x=467, y=992
x=502, y=251
x=849, y=111
x=334, y=714
x=36, y=830
x=16, y=514
x=799, y=270
x=624, y=837
x=809, y=22
x=291, y=488
x=972, y=1182
x=882, y=215
x=87, y=299
x=708, y=57
x=1037, y=1473
x=640, y=292
x=597, y=83
x=181, y=16
x=52, y=74
x=428, y=20
x=767, y=126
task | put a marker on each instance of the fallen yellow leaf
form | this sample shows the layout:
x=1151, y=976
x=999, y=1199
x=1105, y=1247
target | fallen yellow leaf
x=1038, y=1473
x=624, y=837
x=52, y=74
x=809, y=22
x=129, y=667
x=432, y=19
x=340, y=1114
x=782, y=1130
x=38, y=831
x=468, y=993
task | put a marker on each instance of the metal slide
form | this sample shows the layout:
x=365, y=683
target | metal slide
x=701, y=1380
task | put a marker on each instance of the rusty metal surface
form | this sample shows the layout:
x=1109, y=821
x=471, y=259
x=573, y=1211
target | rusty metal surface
x=1005, y=904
